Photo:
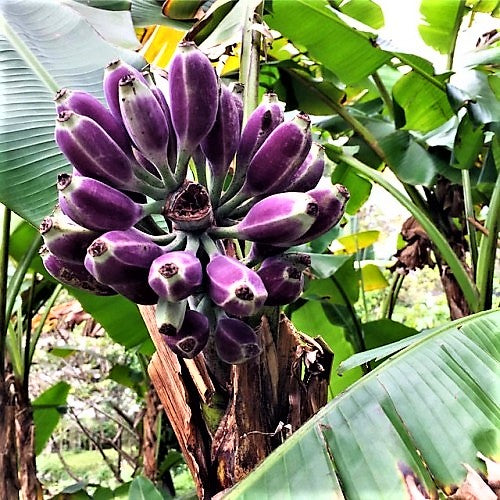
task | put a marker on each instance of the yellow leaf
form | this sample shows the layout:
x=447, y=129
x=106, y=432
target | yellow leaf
x=373, y=279
x=161, y=44
x=354, y=242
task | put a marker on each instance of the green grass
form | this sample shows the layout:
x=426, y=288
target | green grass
x=89, y=467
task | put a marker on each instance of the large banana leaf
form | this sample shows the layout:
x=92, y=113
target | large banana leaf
x=313, y=24
x=44, y=45
x=417, y=418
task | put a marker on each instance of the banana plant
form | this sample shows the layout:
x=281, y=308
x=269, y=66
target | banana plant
x=23, y=295
x=408, y=429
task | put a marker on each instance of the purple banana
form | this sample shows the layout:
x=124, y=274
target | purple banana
x=279, y=157
x=92, y=151
x=234, y=287
x=331, y=205
x=193, y=101
x=307, y=176
x=176, y=275
x=95, y=205
x=222, y=141
x=263, y=120
x=144, y=119
x=278, y=218
x=282, y=276
x=192, y=336
x=113, y=73
x=65, y=239
x=138, y=292
x=118, y=257
x=72, y=274
x=235, y=341
x=86, y=104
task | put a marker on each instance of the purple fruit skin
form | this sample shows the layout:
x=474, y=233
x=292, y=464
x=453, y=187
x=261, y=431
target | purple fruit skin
x=144, y=119
x=235, y=341
x=194, y=92
x=222, y=141
x=283, y=280
x=97, y=206
x=127, y=257
x=160, y=91
x=259, y=251
x=73, y=274
x=331, y=204
x=278, y=158
x=92, y=151
x=193, y=333
x=279, y=217
x=308, y=174
x=138, y=292
x=263, y=120
x=228, y=276
x=65, y=239
x=237, y=94
x=184, y=283
x=86, y=104
x=112, y=76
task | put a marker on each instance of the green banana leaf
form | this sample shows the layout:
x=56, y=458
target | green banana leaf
x=441, y=23
x=346, y=52
x=418, y=417
x=44, y=45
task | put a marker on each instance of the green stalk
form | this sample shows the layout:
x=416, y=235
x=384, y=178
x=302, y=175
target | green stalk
x=250, y=59
x=466, y=284
x=357, y=126
x=469, y=214
x=487, y=250
x=4, y=267
x=36, y=334
x=359, y=341
x=384, y=94
x=24, y=51
x=17, y=280
x=420, y=71
x=392, y=295
x=27, y=341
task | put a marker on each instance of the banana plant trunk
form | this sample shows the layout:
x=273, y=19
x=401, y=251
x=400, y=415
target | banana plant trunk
x=9, y=483
x=149, y=435
x=227, y=419
x=25, y=440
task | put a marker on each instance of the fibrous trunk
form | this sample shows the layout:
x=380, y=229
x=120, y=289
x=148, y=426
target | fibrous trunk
x=228, y=420
x=9, y=484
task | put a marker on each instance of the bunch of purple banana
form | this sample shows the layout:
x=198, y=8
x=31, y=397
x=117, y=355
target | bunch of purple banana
x=163, y=176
